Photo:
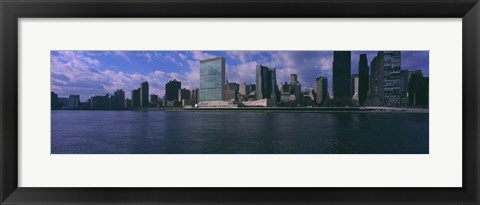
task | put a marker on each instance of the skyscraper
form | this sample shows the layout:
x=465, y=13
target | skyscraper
x=212, y=79
x=118, y=100
x=184, y=94
x=391, y=86
x=144, y=95
x=53, y=101
x=321, y=88
x=171, y=90
x=377, y=80
x=341, y=77
x=194, y=96
x=154, y=100
x=73, y=102
x=136, y=98
x=266, y=83
x=418, y=89
x=363, y=79
x=404, y=78
x=296, y=87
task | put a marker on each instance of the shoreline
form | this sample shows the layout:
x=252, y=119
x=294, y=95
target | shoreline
x=387, y=110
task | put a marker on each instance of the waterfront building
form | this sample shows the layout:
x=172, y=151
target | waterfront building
x=230, y=93
x=194, y=96
x=363, y=79
x=136, y=98
x=217, y=104
x=321, y=87
x=184, y=97
x=404, y=78
x=242, y=89
x=250, y=90
x=391, y=87
x=171, y=92
x=377, y=80
x=128, y=103
x=418, y=89
x=62, y=102
x=312, y=94
x=118, y=100
x=53, y=101
x=286, y=88
x=234, y=86
x=144, y=94
x=73, y=102
x=341, y=77
x=154, y=100
x=184, y=94
x=295, y=87
x=354, y=83
x=266, y=83
x=100, y=102
x=212, y=79
x=258, y=103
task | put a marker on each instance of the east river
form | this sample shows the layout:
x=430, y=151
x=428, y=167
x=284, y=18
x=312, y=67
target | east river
x=188, y=132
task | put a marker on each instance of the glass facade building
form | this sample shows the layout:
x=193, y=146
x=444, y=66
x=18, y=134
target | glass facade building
x=212, y=79
x=266, y=83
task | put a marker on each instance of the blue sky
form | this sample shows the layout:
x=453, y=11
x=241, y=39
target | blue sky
x=90, y=73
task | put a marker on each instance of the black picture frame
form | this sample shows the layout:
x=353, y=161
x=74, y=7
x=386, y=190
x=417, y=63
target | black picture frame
x=11, y=10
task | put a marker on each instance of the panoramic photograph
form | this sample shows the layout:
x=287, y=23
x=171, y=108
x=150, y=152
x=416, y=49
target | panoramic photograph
x=239, y=102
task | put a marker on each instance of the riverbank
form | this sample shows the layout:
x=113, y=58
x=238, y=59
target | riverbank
x=282, y=109
x=310, y=109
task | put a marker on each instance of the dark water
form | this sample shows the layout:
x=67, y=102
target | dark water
x=128, y=132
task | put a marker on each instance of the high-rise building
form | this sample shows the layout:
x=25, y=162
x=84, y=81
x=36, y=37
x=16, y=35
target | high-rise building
x=341, y=77
x=194, y=96
x=230, y=94
x=251, y=88
x=128, y=103
x=363, y=79
x=242, y=89
x=212, y=79
x=136, y=98
x=418, y=89
x=321, y=88
x=377, y=80
x=354, y=84
x=404, y=78
x=118, y=100
x=171, y=91
x=73, y=102
x=101, y=102
x=53, y=101
x=144, y=95
x=154, y=100
x=295, y=87
x=391, y=87
x=184, y=94
x=266, y=83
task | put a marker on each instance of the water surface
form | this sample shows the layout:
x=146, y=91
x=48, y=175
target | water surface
x=130, y=132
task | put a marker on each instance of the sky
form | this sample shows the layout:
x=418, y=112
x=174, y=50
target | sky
x=90, y=73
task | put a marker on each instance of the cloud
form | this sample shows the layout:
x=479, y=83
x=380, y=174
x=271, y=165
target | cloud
x=242, y=56
x=200, y=55
x=308, y=65
x=182, y=56
x=76, y=73
x=91, y=73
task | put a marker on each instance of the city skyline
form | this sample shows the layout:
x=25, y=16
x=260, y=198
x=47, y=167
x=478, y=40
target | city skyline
x=91, y=73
